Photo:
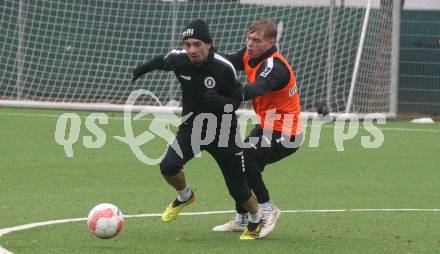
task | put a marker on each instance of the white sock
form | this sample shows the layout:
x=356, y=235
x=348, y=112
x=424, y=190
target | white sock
x=241, y=218
x=255, y=217
x=267, y=206
x=185, y=194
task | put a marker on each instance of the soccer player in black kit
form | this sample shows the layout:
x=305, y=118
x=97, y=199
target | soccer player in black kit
x=209, y=86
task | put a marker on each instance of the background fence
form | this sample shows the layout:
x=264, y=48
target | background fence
x=85, y=51
x=419, y=85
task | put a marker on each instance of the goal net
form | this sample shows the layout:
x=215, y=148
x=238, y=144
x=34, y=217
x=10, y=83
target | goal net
x=63, y=53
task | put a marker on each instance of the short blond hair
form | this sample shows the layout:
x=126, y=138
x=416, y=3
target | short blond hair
x=266, y=26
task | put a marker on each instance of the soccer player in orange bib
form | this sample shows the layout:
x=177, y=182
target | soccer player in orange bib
x=272, y=88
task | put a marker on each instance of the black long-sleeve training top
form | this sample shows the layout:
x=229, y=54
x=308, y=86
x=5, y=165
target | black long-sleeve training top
x=216, y=73
x=277, y=79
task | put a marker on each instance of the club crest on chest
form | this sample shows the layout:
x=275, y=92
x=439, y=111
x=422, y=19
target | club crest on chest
x=209, y=82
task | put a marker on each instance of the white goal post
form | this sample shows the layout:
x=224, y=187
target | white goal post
x=80, y=55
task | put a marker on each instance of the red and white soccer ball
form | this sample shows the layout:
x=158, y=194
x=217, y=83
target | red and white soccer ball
x=105, y=220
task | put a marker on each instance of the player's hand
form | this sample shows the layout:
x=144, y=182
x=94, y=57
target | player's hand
x=216, y=102
x=210, y=97
x=138, y=72
x=323, y=109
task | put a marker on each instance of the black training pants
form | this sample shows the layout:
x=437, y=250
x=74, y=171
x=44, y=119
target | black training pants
x=230, y=160
x=265, y=151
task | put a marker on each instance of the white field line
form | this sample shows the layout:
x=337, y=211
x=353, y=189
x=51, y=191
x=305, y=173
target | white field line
x=170, y=120
x=5, y=231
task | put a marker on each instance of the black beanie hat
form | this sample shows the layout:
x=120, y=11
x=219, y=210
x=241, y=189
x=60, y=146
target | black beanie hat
x=197, y=29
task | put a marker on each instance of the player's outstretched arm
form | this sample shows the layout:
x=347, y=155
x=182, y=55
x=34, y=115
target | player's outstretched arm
x=236, y=58
x=154, y=64
x=162, y=62
x=270, y=78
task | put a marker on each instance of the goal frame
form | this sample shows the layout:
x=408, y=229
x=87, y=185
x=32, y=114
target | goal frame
x=19, y=103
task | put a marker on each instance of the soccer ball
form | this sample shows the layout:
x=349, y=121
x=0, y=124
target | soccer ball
x=105, y=221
